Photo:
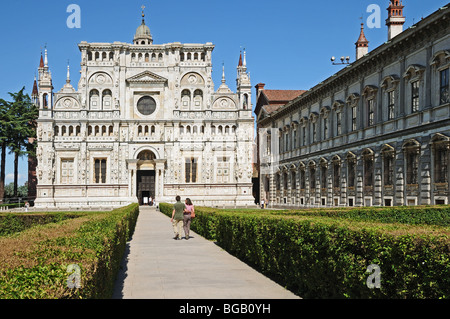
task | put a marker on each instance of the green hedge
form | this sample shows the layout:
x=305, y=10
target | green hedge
x=325, y=254
x=13, y=223
x=97, y=246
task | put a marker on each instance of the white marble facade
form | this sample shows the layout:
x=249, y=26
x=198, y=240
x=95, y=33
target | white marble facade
x=144, y=121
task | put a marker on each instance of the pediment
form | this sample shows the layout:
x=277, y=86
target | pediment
x=147, y=77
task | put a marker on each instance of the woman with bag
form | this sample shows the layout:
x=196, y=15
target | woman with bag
x=189, y=213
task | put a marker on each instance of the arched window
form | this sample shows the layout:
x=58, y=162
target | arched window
x=412, y=154
x=107, y=99
x=351, y=170
x=186, y=99
x=336, y=172
x=198, y=98
x=94, y=99
x=45, y=100
x=368, y=165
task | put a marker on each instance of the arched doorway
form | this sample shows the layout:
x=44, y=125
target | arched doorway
x=146, y=177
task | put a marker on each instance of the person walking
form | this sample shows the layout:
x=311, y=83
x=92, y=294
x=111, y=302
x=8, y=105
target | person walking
x=177, y=217
x=187, y=217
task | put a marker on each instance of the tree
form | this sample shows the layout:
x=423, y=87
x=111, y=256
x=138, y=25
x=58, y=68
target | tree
x=5, y=132
x=23, y=126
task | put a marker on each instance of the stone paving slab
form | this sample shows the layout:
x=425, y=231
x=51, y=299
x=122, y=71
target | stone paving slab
x=158, y=267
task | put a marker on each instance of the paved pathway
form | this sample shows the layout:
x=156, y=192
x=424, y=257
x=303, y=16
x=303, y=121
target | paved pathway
x=158, y=267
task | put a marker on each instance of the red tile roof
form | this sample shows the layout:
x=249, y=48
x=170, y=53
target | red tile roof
x=282, y=95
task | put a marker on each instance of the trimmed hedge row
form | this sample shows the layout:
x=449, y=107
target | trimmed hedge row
x=94, y=241
x=13, y=223
x=320, y=254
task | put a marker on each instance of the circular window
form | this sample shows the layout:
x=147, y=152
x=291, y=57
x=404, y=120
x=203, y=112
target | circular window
x=146, y=105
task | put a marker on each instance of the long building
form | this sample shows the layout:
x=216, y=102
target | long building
x=376, y=133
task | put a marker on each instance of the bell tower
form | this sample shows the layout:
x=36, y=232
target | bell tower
x=244, y=87
x=45, y=88
x=395, y=20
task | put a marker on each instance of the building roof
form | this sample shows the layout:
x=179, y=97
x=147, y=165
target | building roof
x=282, y=95
x=272, y=100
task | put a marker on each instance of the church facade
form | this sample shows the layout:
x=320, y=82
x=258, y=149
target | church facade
x=376, y=133
x=145, y=122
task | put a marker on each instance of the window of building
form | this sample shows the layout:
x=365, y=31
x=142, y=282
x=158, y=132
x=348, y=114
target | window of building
x=354, y=115
x=351, y=171
x=100, y=171
x=293, y=180
x=312, y=178
x=294, y=138
x=368, y=159
x=323, y=176
x=314, y=132
x=146, y=105
x=388, y=168
x=285, y=181
x=269, y=144
x=286, y=136
x=278, y=182
x=223, y=170
x=302, y=178
x=304, y=135
x=325, y=128
x=391, y=105
x=338, y=123
x=441, y=162
x=415, y=97
x=444, y=87
x=370, y=112
x=67, y=171
x=336, y=173
x=280, y=143
x=412, y=163
x=191, y=170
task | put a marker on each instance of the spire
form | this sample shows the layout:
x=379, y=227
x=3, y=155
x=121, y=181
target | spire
x=240, y=60
x=223, y=73
x=143, y=15
x=362, y=45
x=68, y=73
x=46, y=58
x=35, y=92
x=41, y=64
x=362, y=41
x=223, y=88
x=245, y=58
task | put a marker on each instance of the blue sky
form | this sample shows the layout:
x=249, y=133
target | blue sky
x=288, y=42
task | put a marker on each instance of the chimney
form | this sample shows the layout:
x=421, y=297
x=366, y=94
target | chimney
x=259, y=87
